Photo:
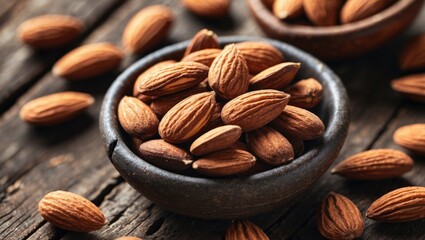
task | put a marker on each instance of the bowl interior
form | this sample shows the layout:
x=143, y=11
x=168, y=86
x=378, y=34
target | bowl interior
x=238, y=196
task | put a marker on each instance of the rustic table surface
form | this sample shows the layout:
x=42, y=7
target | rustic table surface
x=34, y=161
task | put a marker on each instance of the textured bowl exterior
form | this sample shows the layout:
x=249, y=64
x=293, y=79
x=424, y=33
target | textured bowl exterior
x=228, y=198
x=343, y=41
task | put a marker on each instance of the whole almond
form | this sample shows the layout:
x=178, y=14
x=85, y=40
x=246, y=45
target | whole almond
x=162, y=105
x=55, y=108
x=411, y=137
x=306, y=93
x=145, y=98
x=224, y=163
x=204, y=39
x=374, y=164
x=209, y=9
x=288, y=9
x=216, y=139
x=412, y=86
x=254, y=109
x=165, y=155
x=276, y=77
x=339, y=218
x=355, y=10
x=298, y=122
x=401, y=205
x=88, y=61
x=50, y=31
x=259, y=55
x=270, y=146
x=205, y=56
x=323, y=13
x=244, y=229
x=147, y=28
x=71, y=212
x=187, y=118
x=413, y=55
x=137, y=119
x=172, y=78
x=228, y=74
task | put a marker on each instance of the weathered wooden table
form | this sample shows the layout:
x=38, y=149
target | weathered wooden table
x=34, y=161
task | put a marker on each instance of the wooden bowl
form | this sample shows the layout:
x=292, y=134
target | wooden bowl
x=342, y=41
x=228, y=198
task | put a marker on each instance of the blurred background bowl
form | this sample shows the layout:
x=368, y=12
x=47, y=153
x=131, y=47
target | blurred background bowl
x=342, y=41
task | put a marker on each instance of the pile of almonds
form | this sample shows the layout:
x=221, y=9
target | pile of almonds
x=207, y=112
x=326, y=13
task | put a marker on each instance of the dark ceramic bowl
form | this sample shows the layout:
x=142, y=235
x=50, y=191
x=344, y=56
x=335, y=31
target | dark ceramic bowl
x=343, y=41
x=228, y=198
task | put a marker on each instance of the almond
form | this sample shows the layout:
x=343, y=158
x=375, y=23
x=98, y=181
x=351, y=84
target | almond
x=165, y=155
x=412, y=86
x=204, y=39
x=259, y=55
x=356, y=10
x=147, y=28
x=411, y=137
x=88, y=61
x=270, y=146
x=306, y=93
x=244, y=229
x=162, y=105
x=288, y=9
x=276, y=77
x=224, y=163
x=254, y=109
x=205, y=56
x=323, y=13
x=298, y=122
x=55, y=108
x=187, y=118
x=401, y=205
x=374, y=164
x=145, y=98
x=228, y=75
x=172, y=78
x=339, y=218
x=209, y=9
x=413, y=55
x=50, y=31
x=216, y=139
x=137, y=119
x=71, y=212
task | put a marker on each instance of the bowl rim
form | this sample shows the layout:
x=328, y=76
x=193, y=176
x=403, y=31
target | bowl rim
x=263, y=14
x=115, y=144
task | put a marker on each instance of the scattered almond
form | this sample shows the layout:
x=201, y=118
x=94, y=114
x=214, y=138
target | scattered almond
x=254, y=109
x=306, y=93
x=339, y=218
x=205, y=56
x=137, y=119
x=323, y=13
x=88, y=61
x=276, y=77
x=244, y=229
x=401, y=205
x=224, y=163
x=288, y=9
x=228, y=74
x=413, y=55
x=259, y=55
x=216, y=139
x=209, y=9
x=412, y=86
x=165, y=155
x=50, y=31
x=374, y=164
x=187, y=118
x=204, y=39
x=355, y=10
x=71, y=212
x=270, y=146
x=411, y=137
x=147, y=28
x=55, y=108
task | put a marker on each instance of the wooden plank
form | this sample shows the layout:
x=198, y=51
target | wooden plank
x=16, y=57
